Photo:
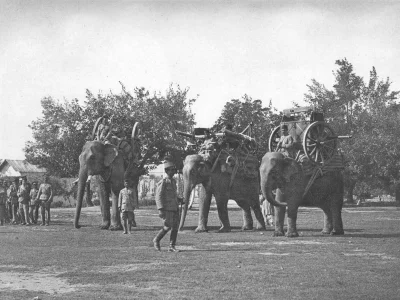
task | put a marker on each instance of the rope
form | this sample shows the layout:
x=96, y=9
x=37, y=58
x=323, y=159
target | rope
x=317, y=172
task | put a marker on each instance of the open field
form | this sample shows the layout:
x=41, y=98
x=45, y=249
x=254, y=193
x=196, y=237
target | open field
x=60, y=262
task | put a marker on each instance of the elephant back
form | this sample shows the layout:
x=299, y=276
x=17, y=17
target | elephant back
x=239, y=162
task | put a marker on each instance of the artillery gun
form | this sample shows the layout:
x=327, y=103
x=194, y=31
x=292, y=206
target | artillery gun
x=311, y=134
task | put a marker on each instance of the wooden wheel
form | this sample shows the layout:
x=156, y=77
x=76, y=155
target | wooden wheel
x=135, y=143
x=274, y=139
x=319, y=142
x=96, y=127
x=136, y=130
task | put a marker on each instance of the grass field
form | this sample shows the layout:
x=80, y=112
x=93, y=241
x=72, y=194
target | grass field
x=60, y=262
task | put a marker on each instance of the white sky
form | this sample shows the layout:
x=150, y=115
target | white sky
x=269, y=50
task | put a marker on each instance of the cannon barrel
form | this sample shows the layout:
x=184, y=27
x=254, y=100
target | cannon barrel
x=188, y=135
x=344, y=136
x=238, y=136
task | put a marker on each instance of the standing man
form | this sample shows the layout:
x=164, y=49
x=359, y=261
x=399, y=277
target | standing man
x=23, y=199
x=45, y=197
x=168, y=207
x=13, y=199
x=33, y=205
x=3, y=200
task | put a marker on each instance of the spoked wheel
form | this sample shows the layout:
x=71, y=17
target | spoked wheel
x=319, y=142
x=274, y=139
x=136, y=130
x=96, y=127
x=135, y=143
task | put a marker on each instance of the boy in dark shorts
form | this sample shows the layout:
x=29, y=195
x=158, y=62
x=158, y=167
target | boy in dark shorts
x=127, y=202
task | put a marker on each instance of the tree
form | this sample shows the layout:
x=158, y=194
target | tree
x=369, y=112
x=65, y=126
x=241, y=112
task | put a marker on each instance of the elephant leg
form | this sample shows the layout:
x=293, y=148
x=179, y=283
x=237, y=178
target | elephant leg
x=204, y=209
x=279, y=220
x=222, y=206
x=336, y=208
x=328, y=226
x=115, y=215
x=247, y=218
x=292, y=218
x=259, y=216
x=104, y=205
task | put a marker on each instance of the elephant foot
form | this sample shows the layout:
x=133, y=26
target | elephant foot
x=261, y=228
x=325, y=232
x=76, y=226
x=279, y=233
x=224, y=229
x=115, y=227
x=292, y=234
x=105, y=226
x=201, y=229
x=337, y=232
x=247, y=227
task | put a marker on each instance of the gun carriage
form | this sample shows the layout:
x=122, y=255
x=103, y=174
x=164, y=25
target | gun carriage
x=311, y=134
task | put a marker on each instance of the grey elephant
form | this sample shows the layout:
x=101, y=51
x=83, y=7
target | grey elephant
x=244, y=190
x=108, y=167
x=286, y=176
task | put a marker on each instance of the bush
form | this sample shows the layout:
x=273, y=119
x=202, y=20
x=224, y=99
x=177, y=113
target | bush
x=56, y=204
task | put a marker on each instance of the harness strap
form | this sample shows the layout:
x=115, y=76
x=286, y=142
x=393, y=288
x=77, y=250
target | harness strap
x=317, y=172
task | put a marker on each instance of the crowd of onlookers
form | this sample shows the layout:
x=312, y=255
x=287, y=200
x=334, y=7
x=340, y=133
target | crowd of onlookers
x=21, y=201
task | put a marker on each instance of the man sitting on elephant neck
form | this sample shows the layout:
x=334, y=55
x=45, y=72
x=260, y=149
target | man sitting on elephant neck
x=286, y=143
x=168, y=207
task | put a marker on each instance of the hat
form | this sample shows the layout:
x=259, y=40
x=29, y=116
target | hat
x=169, y=164
x=284, y=127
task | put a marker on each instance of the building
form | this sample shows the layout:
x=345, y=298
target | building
x=11, y=169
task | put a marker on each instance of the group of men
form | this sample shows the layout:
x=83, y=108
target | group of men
x=20, y=202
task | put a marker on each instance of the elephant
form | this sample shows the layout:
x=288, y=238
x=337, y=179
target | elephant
x=286, y=175
x=106, y=163
x=245, y=191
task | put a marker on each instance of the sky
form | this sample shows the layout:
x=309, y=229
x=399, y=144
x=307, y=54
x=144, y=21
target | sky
x=220, y=50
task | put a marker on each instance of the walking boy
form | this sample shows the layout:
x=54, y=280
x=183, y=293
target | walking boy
x=168, y=208
x=127, y=202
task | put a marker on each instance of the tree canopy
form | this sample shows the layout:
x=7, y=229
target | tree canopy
x=59, y=135
x=368, y=111
x=241, y=112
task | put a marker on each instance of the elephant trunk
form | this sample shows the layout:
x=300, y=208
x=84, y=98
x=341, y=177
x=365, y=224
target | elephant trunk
x=267, y=192
x=187, y=189
x=83, y=175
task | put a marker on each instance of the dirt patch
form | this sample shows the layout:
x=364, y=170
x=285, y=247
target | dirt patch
x=362, y=253
x=35, y=281
x=129, y=267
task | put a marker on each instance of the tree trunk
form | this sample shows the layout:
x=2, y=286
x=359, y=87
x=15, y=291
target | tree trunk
x=350, y=190
x=397, y=192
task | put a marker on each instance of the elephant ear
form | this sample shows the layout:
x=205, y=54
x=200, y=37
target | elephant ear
x=110, y=153
x=291, y=167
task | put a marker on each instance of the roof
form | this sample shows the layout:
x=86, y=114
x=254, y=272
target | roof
x=23, y=166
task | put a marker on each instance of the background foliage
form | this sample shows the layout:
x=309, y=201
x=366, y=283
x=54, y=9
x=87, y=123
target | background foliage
x=59, y=135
